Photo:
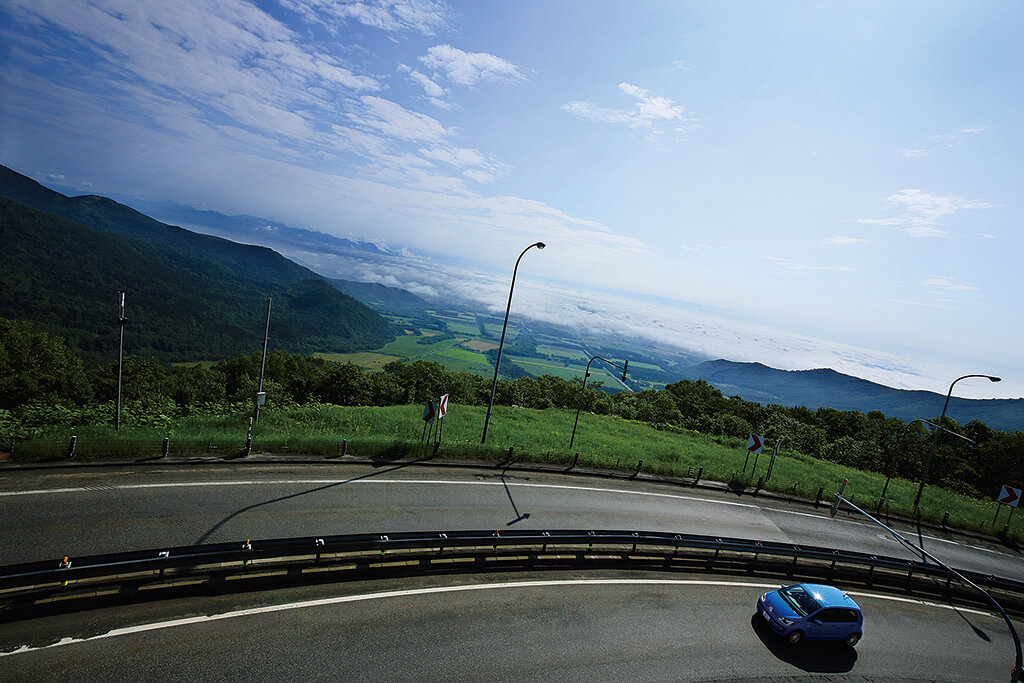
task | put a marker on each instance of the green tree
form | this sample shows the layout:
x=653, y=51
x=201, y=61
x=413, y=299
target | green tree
x=35, y=366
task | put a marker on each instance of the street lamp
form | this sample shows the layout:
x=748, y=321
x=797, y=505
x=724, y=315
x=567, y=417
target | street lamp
x=935, y=440
x=497, y=362
x=585, y=376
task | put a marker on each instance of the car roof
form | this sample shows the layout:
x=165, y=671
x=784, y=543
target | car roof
x=830, y=596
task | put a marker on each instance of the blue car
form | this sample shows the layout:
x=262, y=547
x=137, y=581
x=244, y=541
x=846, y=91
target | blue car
x=813, y=612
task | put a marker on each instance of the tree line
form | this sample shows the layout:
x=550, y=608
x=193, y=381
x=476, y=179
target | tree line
x=43, y=384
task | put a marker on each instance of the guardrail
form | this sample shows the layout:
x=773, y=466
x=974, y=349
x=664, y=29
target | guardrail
x=77, y=582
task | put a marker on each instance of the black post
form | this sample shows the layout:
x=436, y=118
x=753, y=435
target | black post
x=501, y=344
x=263, y=365
x=121, y=320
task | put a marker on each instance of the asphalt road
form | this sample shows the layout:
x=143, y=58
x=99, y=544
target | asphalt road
x=564, y=627
x=72, y=512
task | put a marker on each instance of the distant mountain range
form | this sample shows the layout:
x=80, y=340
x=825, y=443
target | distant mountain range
x=193, y=296
x=828, y=388
x=254, y=229
x=189, y=296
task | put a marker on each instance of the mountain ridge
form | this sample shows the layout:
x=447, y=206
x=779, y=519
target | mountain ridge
x=825, y=387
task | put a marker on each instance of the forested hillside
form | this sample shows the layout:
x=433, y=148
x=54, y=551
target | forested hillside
x=188, y=296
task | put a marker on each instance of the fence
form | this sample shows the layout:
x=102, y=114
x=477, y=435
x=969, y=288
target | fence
x=73, y=583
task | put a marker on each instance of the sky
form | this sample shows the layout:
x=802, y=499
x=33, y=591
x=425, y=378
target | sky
x=805, y=184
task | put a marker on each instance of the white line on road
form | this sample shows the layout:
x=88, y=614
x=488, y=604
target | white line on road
x=325, y=482
x=323, y=602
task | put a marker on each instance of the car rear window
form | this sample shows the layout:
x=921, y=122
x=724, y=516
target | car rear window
x=800, y=600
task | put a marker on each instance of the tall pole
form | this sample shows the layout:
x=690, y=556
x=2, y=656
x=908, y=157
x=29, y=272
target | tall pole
x=935, y=440
x=586, y=374
x=501, y=344
x=263, y=365
x=121, y=320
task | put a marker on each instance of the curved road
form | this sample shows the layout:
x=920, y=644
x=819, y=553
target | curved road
x=617, y=627
x=81, y=511
x=525, y=626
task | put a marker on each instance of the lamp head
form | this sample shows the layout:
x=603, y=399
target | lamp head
x=540, y=245
x=995, y=379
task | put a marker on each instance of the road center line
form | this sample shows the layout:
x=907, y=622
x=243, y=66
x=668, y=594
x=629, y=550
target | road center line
x=337, y=600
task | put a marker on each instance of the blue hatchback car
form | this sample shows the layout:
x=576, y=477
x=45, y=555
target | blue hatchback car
x=813, y=612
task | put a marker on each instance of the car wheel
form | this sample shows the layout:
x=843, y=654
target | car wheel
x=852, y=639
x=795, y=637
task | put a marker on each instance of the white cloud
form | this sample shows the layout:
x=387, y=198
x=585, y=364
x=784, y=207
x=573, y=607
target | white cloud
x=842, y=240
x=470, y=68
x=946, y=283
x=922, y=212
x=418, y=16
x=397, y=121
x=650, y=112
x=799, y=267
x=946, y=140
x=430, y=88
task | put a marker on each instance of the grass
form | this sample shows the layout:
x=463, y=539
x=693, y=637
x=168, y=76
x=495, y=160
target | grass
x=535, y=435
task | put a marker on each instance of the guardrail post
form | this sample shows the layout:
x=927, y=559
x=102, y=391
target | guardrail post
x=700, y=471
x=71, y=446
x=575, y=459
x=344, y=447
x=166, y=447
x=817, y=498
x=945, y=518
x=760, y=484
x=639, y=466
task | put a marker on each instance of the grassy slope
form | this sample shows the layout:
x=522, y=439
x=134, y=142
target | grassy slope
x=538, y=436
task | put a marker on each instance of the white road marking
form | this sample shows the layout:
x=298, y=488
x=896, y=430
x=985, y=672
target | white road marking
x=441, y=482
x=434, y=482
x=323, y=602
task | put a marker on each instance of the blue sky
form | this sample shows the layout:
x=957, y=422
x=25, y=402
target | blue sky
x=839, y=182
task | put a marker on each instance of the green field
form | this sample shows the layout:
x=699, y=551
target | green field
x=537, y=435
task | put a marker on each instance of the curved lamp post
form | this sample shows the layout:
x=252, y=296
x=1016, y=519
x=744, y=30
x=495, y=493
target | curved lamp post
x=935, y=441
x=497, y=362
x=582, y=388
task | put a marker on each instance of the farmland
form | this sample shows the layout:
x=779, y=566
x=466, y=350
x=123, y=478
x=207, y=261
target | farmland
x=466, y=341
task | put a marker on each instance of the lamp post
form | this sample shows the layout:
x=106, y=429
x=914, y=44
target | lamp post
x=501, y=344
x=935, y=440
x=586, y=374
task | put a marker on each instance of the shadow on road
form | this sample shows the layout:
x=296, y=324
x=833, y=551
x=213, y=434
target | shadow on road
x=816, y=657
x=519, y=517
x=212, y=530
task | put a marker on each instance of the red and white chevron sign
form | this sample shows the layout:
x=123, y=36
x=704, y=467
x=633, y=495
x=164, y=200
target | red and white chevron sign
x=755, y=443
x=442, y=407
x=1009, y=496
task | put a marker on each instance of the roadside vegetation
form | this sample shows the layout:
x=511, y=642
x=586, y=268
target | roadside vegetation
x=320, y=407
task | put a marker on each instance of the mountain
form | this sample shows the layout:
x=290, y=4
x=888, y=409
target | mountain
x=188, y=296
x=255, y=229
x=828, y=388
x=381, y=297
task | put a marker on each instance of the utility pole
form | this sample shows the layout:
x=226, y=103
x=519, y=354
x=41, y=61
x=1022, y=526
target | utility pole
x=260, y=396
x=121, y=320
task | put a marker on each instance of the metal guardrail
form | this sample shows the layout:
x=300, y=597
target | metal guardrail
x=65, y=584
